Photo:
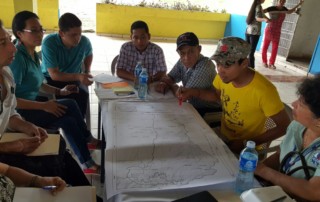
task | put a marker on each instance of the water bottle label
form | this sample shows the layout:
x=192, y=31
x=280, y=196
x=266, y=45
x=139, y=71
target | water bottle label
x=143, y=79
x=248, y=165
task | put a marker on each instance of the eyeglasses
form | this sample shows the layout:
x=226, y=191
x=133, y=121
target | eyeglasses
x=34, y=31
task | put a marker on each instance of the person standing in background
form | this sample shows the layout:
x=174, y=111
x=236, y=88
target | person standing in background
x=273, y=30
x=253, y=31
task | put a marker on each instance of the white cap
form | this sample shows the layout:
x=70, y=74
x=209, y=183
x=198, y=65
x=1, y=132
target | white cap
x=251, y=144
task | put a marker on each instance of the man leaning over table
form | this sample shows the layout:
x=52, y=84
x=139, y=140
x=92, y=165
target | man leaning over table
x=63, y=56
x=193, y=70
x=247, y=97
x=141, y=49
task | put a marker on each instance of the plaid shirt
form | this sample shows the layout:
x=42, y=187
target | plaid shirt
x=152, y=58
x=200, y=76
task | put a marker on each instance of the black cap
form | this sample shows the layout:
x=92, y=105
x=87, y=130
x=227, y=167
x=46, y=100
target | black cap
x=188, y=38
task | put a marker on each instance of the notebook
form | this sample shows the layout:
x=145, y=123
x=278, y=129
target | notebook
x=115, y=84
x=126, y=90
x=69, y=194
x=49, y=147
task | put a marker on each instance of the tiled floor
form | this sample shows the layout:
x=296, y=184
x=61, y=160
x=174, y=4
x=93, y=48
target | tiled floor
x=285, y=77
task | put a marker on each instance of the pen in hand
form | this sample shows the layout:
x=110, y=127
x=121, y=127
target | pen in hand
x=49, y=188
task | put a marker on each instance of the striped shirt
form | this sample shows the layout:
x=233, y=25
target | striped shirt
x=152, y=58
x=200, y=76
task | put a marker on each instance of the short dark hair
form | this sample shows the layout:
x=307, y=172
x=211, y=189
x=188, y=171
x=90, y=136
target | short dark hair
x=19, y=21
x=139, y=25
x=1, y=24
x=309, y=91
x=68, y=21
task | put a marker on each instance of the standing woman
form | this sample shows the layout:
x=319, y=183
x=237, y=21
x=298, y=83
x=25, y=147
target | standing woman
x=273, y=30
x=253, y=31
x=53, y=114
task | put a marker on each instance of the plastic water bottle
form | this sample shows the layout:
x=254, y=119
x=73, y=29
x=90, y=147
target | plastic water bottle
x=143, y=84
x=247, y=164
x=137, y=72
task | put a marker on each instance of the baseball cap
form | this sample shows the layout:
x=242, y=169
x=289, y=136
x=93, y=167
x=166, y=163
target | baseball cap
x=188, y=38
x=230, y=50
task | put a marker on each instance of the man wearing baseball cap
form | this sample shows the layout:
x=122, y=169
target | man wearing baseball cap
x=193, y=70
x=247, y=97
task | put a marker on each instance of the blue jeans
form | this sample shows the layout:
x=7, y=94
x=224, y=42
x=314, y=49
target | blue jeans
x=82, y=98
x=253, y=40
x=72, y=124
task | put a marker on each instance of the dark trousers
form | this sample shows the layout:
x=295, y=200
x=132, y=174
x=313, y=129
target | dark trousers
x=82, y=98
x=253, y=40
x=72, y=124
x=62, y=165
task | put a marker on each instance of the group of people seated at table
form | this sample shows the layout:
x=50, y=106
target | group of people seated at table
x=247, y=99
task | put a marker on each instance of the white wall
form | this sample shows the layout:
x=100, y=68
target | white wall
x=307, y=31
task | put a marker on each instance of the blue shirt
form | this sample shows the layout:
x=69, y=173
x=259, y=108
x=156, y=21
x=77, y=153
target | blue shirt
x=68, y=60
x=293, y=141
x=27, y=74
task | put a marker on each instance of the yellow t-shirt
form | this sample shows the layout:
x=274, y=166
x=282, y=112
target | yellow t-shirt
x=246, y=109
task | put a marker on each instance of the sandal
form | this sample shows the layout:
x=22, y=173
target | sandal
x=265, y=65
x=272, y=67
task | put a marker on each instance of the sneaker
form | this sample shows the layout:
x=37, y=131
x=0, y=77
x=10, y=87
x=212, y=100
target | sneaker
x=265, y=65
x=95, y=145
x=272, y=67
x=92, y=171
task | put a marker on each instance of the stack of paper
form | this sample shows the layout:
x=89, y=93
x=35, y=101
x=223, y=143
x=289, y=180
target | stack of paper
x=119, y=88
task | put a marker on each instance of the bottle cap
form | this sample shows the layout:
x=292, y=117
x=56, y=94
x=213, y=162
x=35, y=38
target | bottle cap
x=251, y=144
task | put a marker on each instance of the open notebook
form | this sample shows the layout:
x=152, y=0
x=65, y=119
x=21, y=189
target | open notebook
x=69, y=194
x=49, y=147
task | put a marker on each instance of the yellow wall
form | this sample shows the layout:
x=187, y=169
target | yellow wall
x=47, y=11
x=6, y=12
x=113, y=19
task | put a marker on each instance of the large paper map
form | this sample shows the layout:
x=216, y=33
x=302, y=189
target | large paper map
x=156, y=146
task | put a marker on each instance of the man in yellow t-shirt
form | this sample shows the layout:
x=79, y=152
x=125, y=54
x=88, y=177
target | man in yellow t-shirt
x=247, y=97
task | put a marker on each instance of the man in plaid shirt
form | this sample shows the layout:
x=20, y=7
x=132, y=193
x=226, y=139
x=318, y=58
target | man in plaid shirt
x=193, y=70
x=141, y=49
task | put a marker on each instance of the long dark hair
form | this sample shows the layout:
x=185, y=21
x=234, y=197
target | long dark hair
x=252, y=12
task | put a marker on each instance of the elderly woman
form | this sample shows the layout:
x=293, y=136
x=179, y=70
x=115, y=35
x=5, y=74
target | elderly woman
x=296, y=167
x=8, y=118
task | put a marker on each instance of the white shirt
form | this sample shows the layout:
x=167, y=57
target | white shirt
x=9, y=104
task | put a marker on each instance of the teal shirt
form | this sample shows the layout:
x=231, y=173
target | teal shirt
x=293, y=141
x=27, y=74
x=68, y=60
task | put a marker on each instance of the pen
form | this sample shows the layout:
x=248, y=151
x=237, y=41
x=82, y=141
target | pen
x=279, y=199
x=49, y=188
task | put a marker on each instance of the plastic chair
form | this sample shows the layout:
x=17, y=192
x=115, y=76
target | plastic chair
x=269, y=125
x=113, y=65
